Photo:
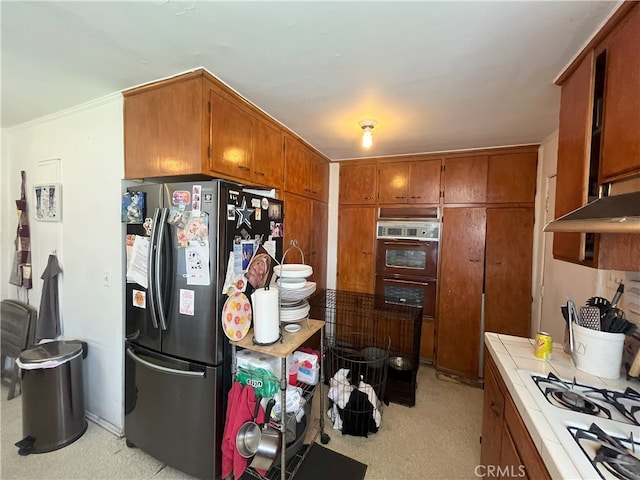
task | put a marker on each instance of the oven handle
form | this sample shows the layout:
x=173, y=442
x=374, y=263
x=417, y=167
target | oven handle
x=405, y=281
x=408, y=243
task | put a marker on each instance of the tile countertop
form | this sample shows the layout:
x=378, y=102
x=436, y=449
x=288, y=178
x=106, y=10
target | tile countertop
x=516, y=353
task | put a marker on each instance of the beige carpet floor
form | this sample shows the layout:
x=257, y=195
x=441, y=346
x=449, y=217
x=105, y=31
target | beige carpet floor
x=436, y=439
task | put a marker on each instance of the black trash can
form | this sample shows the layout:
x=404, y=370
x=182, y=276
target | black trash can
x=53, y=414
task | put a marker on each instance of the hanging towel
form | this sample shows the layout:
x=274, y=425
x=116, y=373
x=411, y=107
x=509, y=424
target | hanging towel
x=21, y=271
x=49, y=315
x=241, y=404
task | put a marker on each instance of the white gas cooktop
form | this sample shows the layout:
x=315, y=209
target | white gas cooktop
x=599, y=428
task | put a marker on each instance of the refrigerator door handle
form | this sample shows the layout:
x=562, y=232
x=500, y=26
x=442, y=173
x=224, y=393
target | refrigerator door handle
x=162, y=369
x=151, y=265
x=158, y=268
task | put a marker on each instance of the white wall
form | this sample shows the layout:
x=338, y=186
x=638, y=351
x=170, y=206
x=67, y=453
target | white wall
x=83, y=150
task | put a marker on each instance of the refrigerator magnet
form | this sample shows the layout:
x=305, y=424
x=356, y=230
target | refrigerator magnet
x=231, y=212
x=196, y=193
x=255, y=202
x=139, y=299
x=265, y=203
x=244, y=214
x=187, y=302
x=181, y=197
x=274, y=211
x=258, y=216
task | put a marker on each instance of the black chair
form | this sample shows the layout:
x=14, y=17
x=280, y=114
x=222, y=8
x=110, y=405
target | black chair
x=18, y=322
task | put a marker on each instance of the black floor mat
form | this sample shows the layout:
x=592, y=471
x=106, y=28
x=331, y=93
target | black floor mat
x=322, y=464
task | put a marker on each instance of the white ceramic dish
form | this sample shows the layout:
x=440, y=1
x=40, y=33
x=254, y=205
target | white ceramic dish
x=293, y=270
x=292, y=328
x=291, y=283
x=288, y=296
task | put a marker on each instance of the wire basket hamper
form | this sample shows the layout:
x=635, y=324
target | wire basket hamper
x=350, y=315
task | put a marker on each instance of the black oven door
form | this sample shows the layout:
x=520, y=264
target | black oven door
x=413, y=258
x=405, y=291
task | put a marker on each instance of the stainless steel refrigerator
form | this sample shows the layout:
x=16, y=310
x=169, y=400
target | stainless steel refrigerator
x=177, y=357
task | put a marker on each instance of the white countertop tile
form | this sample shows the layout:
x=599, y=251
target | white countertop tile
x=557, y=462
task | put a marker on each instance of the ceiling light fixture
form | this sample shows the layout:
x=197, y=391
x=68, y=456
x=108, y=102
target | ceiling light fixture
x=367, y=136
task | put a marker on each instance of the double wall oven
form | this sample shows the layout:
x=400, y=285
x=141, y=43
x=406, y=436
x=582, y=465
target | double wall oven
x=407, y=269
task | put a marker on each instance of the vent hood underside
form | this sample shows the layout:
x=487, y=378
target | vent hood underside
x=614, y=214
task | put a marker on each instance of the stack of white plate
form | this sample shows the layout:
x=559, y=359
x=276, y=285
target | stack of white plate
x=294, y=290
x=294, y=312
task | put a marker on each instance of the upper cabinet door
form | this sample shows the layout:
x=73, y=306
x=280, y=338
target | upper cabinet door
x=465, y=179
x=231, y=137
x=358, y=184
x=297, y=167
x=163, y=133
x=621, y=126
x=512, y=178
x=573, y=141
x=393, y=179
x=424, y=181
x=268, y=155
x=320, y=179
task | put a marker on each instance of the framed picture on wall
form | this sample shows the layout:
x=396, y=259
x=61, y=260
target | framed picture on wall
x=48, y=202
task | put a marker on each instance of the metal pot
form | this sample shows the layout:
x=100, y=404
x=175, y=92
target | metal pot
x=248, y=436
x=400, y=363
x=269, y=444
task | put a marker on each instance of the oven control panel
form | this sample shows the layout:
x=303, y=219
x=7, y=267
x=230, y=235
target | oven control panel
x=409, y=230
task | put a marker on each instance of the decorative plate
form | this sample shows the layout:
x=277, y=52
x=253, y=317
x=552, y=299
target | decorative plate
x=236, y=316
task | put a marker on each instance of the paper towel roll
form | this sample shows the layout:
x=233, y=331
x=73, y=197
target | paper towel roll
x=266, y=315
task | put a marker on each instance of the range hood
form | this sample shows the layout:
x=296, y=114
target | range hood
x=613, y=214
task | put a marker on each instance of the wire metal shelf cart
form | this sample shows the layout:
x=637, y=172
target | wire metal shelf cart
x=348, y=315
x=286, y=469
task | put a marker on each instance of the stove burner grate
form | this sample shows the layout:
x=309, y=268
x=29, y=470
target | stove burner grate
x=608, y=454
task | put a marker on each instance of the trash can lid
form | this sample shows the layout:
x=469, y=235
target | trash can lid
x=58, y=351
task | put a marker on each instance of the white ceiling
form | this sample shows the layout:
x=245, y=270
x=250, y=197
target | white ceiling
x=435, y=75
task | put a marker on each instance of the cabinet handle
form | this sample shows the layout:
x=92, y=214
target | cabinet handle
x=368, y=197
x=367, y=253
x=494, y=409
x=242, y=167
x=400, y=198
x=259, y=173
x=314, y=192
x=307, y=190
x=473, y=260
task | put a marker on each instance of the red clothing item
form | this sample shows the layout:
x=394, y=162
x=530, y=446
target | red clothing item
x=241, y=404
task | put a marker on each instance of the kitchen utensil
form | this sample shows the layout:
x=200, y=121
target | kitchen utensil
x=590, y=317
x=573, y=317
x=616, y=297
x=602, y=303
x=269, y=443
x=248, y=436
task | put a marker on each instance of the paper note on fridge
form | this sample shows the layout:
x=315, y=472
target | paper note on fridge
x=197, y=261
x=137, y=267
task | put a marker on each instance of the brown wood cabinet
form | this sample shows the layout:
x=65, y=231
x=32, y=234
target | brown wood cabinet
x=461, y=277
x=194, y=125
x=409, y=182
x=492, y=178
x=306, y=221
x=598, y=132
x=358, y=184
x=465, y=179
x=511, y=178
x=573, y=148
x=506, y=443
x=356, y=249
x=621, y=124
x=490, y=249
x=305, y=172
